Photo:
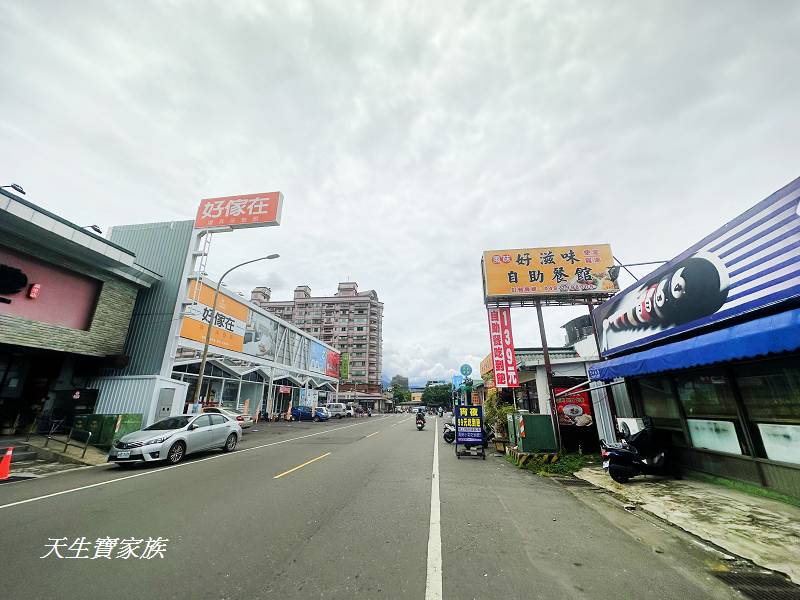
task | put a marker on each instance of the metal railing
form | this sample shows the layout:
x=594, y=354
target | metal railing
x=70, y=443
x=51, y=427
x=45, y=424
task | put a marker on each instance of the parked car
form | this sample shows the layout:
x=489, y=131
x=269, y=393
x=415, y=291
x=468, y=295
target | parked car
x=337, y=409
x=350, y=410
x=171, y=439
x=323, y=410
x=306, y=413
x=245, y=420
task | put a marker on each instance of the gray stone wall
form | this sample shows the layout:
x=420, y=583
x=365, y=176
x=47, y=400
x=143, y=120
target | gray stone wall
x=105, y=336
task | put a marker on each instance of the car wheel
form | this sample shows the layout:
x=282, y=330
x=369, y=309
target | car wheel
x=230, y=443
x=338, y=416
x=316, y=419
x=176, y=453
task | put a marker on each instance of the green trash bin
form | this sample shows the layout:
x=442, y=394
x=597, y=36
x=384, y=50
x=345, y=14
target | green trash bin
x=128, y=423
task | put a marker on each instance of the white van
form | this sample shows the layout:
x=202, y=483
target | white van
x=337, y=409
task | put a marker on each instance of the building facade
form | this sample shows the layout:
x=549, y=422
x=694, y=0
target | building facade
x=350, y=321
x=257, y=362
x=67, y=297
x=399, y=382
x=709, y=346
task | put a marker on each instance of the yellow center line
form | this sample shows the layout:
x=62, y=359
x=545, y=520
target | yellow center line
x=371, y=434
x=301, y=466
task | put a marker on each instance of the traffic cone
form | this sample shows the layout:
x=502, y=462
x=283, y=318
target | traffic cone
x=5, y=465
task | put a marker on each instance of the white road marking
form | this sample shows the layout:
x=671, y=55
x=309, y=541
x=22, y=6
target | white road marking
x=371, y=434
x=178, y=466
x=433, y=582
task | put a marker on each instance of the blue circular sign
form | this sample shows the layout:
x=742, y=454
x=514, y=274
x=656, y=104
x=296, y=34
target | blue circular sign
x=466, y=370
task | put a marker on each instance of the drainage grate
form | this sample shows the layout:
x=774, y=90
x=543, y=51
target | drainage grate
x=574, y=482
x=760, y=586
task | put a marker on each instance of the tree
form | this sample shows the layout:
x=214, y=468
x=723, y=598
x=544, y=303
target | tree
x=437, y=395
x=400, y=395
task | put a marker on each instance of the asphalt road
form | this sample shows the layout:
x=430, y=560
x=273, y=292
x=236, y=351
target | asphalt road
x=353, y=522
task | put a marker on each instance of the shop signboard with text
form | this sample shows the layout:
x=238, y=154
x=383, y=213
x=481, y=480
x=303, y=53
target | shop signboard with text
x=230, y=320
x=574, y=408
x=502, y=343
x=469, y=424
x=548, y=271
x=239, y=212
x=332, y=364
x=317, y=357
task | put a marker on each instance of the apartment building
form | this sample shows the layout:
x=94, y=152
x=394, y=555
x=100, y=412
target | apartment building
x=350, y=321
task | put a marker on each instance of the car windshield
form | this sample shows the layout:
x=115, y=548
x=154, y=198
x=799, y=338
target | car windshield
x=171, y=423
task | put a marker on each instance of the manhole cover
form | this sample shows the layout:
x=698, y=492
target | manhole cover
x=761, y=586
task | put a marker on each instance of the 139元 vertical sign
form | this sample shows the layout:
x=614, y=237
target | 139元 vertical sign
x=502, y=343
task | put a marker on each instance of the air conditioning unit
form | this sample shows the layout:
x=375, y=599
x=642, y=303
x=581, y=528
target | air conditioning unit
x=627, y=425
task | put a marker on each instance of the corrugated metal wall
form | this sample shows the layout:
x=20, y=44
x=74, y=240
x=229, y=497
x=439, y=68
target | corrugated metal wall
x=602, y=413
x=161, y=247
x=128, y=395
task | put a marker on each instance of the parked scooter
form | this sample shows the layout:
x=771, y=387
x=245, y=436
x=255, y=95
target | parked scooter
x=420, y=421
x=449, y=433
x=637, y=454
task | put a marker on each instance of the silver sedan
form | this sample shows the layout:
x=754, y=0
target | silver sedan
x=174, y=437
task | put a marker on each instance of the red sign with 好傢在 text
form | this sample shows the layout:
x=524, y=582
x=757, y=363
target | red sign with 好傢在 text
x=239, y=212
x=502, y=346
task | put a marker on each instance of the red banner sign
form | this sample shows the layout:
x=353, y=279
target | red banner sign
x=249, y=210
x=502, y=342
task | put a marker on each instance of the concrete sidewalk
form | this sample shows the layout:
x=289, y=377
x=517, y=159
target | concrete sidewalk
x=764, y=531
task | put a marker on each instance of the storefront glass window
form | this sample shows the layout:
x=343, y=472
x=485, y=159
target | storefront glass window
x=657, y=398
x=706, y=394
x=714, y=435
x=782, y=442
x=771, y=394
x=771, y=390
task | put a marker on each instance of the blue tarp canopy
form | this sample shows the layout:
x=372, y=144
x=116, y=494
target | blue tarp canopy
x=767, y=335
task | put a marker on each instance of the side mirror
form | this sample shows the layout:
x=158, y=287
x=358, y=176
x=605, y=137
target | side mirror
x=192, y=427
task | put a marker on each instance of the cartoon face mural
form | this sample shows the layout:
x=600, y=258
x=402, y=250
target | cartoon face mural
x=696, y=287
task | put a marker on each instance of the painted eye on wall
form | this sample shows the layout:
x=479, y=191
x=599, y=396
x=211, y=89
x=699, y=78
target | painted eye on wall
x=677, y=285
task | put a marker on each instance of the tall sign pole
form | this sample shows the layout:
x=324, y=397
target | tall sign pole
x=549, y=372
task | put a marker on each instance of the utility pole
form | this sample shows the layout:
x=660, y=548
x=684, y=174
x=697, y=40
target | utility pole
x=204, y=356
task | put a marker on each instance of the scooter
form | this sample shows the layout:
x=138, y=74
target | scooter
x=637, y=454
x=449, y=433
x=420, y=422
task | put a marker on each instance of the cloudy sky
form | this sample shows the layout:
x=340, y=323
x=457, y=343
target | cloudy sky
x=407, y=137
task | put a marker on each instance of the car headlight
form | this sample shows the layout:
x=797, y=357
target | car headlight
x=158, y=440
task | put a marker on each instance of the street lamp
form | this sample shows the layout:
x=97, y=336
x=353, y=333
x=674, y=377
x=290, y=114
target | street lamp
x=94, y=228
x=204, y=357
x=14, y=186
